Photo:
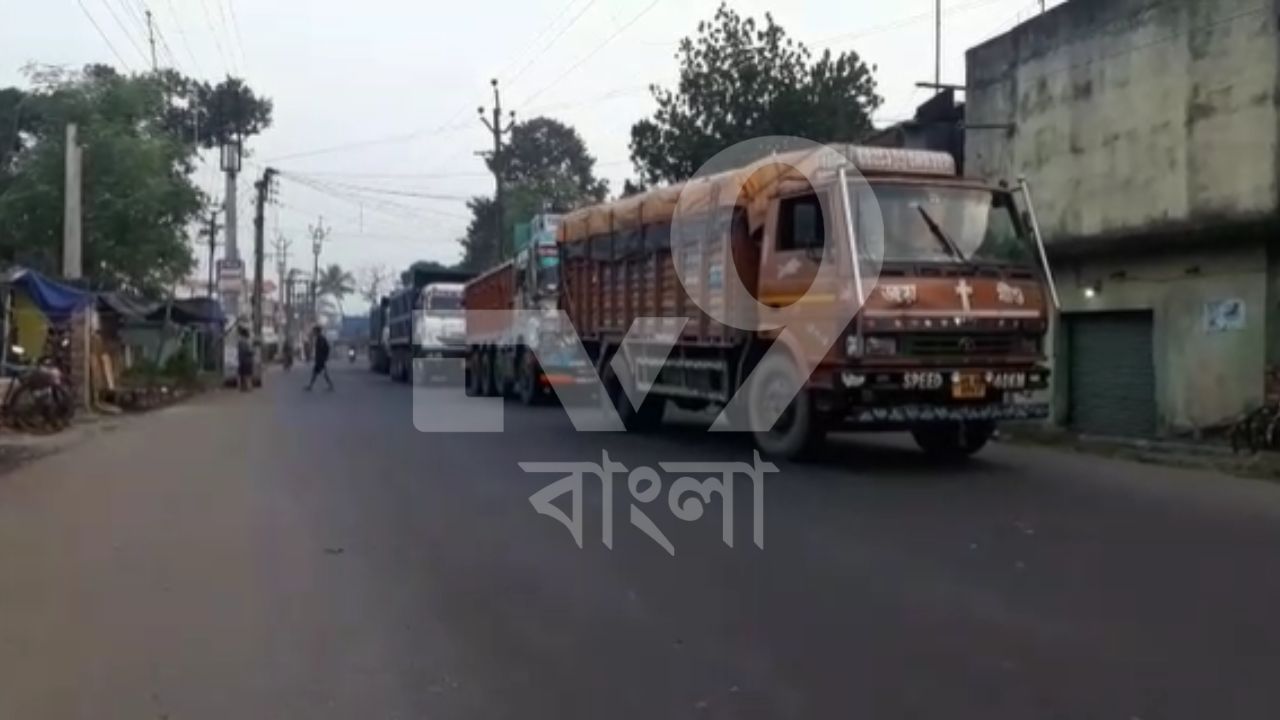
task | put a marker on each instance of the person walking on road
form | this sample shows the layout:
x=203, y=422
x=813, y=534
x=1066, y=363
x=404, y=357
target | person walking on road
x=320, y=352
x=244, y=360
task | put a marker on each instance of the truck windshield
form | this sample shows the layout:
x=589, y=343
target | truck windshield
x=444, y=302
x=948, y=225
x=548, y=273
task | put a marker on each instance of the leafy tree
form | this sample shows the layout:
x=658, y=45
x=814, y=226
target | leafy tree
x=137, y=198
x=336, y=283
x=740, y=80
x=545, y=168
x=406, y=277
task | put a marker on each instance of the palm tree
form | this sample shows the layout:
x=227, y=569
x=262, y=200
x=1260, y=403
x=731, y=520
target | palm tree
x=336, y=283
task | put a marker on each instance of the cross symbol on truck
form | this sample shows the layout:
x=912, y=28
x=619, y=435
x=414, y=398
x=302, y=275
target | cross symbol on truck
x=965, y=291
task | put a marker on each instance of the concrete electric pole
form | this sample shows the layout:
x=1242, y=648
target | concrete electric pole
x=71, y=238
x=151, y=37
x=263, y=187
x=212, y=232
x=318, y=233
x=495, y=127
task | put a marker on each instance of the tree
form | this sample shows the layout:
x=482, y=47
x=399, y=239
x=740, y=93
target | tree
x=740, y=81
x=373, y=282
x=335, y=283
x=545, y=168
x=406, y=277
x=137, y=195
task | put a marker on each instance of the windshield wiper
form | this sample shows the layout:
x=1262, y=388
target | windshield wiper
x=942, y=236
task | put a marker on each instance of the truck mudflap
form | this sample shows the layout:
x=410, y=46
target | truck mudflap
x=907, y=415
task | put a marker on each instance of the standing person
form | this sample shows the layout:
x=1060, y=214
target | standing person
x=244, y=360
x=320, y=351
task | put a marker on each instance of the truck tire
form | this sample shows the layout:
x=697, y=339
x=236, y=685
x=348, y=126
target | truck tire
x=799, y=432
x=644, y=419
x=953, y=440
x=526, y=384
x=487, y=387
x=472, y=372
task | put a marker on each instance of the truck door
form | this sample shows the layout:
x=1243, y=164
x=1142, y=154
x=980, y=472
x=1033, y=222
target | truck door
x=797, y=237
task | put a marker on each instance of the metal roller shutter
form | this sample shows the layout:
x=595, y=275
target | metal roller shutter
x=1112, y=374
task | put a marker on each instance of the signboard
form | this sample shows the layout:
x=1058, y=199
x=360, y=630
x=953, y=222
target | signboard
x=1224, y=315
x=230, y=275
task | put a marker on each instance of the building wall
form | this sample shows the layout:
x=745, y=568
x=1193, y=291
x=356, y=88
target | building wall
x=1133, y=116
x=1203, y=377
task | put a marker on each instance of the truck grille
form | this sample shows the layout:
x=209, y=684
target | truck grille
x=959, y=344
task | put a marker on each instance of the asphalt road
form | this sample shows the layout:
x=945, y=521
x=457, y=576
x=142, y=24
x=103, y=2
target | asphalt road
x=294, y=555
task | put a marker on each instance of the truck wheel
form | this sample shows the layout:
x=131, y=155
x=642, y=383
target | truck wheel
x=472, y=372
x=646, y=418
x=953, y=440
x=527, y=381
x=798, y=433
x=486, y=375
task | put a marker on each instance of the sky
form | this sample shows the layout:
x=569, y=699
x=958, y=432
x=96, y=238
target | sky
x=375, y=125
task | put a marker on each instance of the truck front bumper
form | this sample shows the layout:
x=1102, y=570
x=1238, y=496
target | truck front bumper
x=915, y=414
x=440, y=352
x=873, y=398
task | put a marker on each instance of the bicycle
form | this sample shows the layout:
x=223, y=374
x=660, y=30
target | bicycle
x=37, y=399
x=1258, y=429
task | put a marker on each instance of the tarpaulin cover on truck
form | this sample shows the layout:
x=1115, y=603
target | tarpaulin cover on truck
x=756, y=184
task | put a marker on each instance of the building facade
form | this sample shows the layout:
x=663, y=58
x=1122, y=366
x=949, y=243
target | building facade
x=1150, y=133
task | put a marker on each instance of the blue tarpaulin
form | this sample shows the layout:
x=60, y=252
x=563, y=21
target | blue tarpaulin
x=54, y=299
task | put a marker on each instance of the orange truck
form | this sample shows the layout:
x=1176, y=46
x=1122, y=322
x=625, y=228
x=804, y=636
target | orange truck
x=901, y=296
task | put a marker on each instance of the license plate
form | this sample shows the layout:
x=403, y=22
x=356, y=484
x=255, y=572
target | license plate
x=969, y=386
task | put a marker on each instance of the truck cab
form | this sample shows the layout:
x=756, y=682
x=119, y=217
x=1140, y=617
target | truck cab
x=439, y=328
x=943, y=282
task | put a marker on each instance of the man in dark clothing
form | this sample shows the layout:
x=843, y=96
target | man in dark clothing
x=244, y=360
x=320, y=352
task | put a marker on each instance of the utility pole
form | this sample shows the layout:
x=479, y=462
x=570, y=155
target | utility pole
x=213, y=244
x=151, y=37
x=229, y=162
x=937, y=42
x=318, y=233
x=280, y=247
x=263, y=187
x=71, y=239
x=495, y=127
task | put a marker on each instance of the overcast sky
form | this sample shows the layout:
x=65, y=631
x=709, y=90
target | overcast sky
x=391, y=87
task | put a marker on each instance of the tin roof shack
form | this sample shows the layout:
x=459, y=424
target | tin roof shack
x=1149, y=132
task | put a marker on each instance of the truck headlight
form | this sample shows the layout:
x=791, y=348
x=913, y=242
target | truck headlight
x=881, y=346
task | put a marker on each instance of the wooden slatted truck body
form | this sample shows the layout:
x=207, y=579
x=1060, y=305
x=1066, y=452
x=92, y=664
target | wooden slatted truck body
x=906, y=297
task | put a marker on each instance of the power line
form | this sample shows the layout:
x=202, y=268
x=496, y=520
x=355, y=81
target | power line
x=208, y=19
x=235, y=25
x=182, y=35
x=528, y=100
x=551, y=42
x=103, y=35
x=124, y=30
x=382, y=190
x=385, y=206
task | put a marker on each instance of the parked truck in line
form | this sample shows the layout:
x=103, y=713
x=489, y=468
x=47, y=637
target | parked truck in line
x=949, y=339
x=500, y=349
x=424, y=320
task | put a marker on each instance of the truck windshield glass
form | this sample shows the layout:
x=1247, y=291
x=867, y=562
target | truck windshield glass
x=549, y=272
x=444, y=302
x=932, y=224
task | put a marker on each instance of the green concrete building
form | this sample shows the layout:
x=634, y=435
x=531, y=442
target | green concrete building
x=1150, y=133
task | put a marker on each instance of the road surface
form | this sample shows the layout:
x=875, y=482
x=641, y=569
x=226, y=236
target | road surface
x=311, y=555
